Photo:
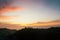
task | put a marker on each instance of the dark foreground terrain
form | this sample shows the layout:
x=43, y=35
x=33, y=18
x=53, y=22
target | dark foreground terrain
x=33, y=34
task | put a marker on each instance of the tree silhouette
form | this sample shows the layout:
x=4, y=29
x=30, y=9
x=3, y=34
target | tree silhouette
x=36, y=34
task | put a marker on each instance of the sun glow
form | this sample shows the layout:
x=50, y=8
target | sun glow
x=20, y=17
x=24, y=17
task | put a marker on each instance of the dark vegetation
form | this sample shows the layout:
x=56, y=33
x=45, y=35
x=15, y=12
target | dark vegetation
x=5, y=32
x=31, y=34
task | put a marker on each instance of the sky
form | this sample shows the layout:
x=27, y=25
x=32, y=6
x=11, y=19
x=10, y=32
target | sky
x=29, y=11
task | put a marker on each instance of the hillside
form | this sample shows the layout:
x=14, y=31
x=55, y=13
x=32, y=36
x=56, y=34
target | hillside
x=5, y=32
x=36, y=34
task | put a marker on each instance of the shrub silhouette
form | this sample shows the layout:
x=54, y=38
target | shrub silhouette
x=5, y=32
x=36, y=34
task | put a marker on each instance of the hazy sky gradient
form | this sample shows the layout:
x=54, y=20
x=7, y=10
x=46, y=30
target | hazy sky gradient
x=29, y=11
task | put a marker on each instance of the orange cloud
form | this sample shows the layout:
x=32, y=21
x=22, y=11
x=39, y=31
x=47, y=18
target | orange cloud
x=53, y=23
x=6, y=17
x=6, y=9
x=37, y=25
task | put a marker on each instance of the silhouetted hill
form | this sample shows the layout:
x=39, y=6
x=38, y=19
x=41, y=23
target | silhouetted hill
x=5, y=32
x=36, y=34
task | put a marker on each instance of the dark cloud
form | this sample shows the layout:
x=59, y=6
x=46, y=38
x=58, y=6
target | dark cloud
x=4, y=3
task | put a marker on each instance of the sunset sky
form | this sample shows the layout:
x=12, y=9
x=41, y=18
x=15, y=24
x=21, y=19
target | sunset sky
x=29, y=11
